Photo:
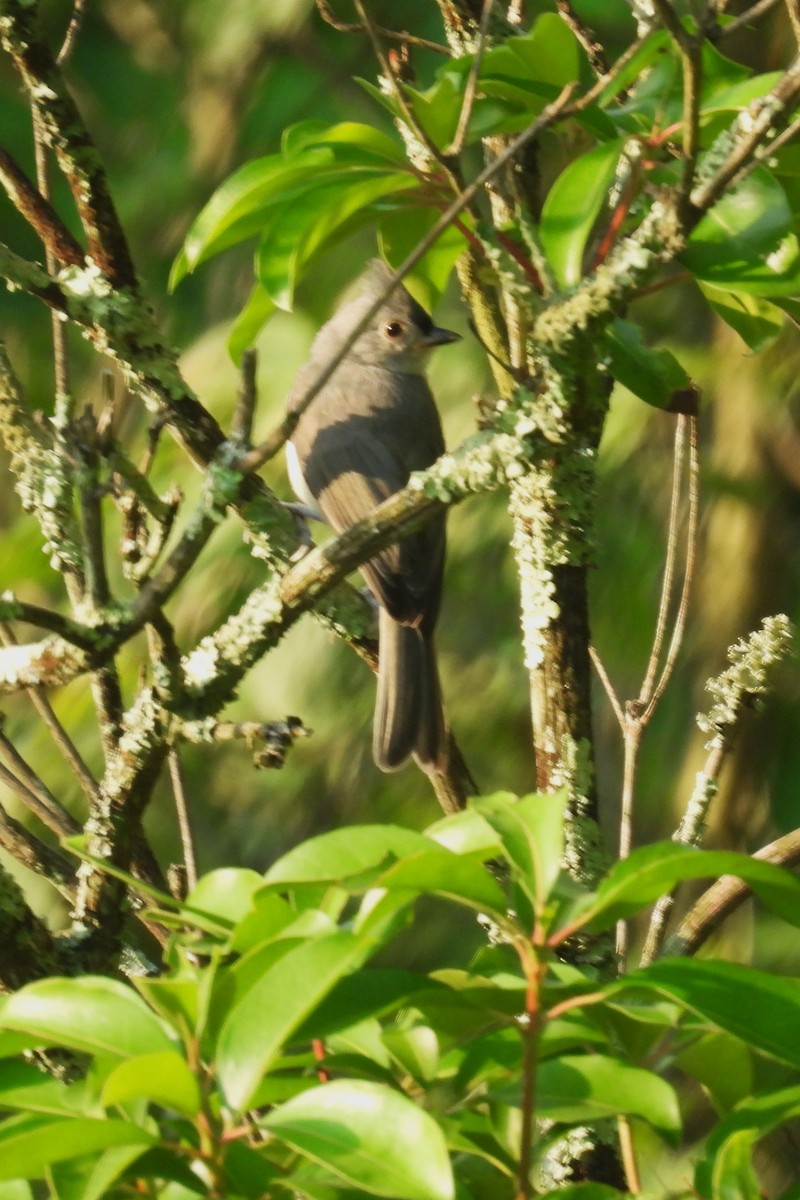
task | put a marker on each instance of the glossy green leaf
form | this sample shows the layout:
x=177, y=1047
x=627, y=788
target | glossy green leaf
x=724, y=1066
x=638, y=66
x=726, y=1171
x=531, y=830
x=350, y=141
x=15, y=1189
x=91, y=1177
x=652, y=374
x=761, y=1009
x=350, y=854
x=164, y=1079
x=415, y=1049
x=92, y=1014
x=25, y=1087
x=226, y=893
x=651, y=871
x=440, y=872
x=572, y=206
x=400, y=231
x=466, y=832
x=325, y=209
x=269, y=917
x=370, y=992
x=250, y=321
x=757, y=321
x=369, y=1136
x=590, y=1088
x=29, y=1144
x=247, y=1173
x=275, y=1005
x=745, y=243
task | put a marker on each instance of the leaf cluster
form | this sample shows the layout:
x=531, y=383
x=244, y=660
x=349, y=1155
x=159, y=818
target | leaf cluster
x=274, y=1058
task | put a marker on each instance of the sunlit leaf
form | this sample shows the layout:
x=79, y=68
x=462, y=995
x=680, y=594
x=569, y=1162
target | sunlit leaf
x=531, y=832
x=761, y=1009
x=745, y=243
x=757, y=321
x=652, y=374
x=572, y=206
x=92, y=1014
x=164, y=1079
x=369, y=1136
x=275, y=1005
x=727, y=1171
x=28, y=1144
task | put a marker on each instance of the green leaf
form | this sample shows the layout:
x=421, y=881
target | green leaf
x=756, y=321
x=370, y=992
x=724, y=1066
x=532, y=834
x=24, y=1086
x=250, y=321
x=745, y=243
x=466, y=832
x=29, y=1144
x=763, y=1010
x=15, y=1189
x=572, y=206
x=92, y=1014
x=352, y=855
x=726, y=1172
x=652, y=871
x=369, y=1136
x=324, y=211
x=415, y=1049
x=580, y=1088
x=400, y=231
x=273, y=1008
x=440, y=872
x=637, y=66
x=350, y=141
x=654, y=375
x=164, y=1079
x=226, y=893
x=91, y=1177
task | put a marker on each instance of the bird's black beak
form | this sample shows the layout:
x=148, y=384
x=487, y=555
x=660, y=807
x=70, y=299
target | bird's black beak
x=441, y=337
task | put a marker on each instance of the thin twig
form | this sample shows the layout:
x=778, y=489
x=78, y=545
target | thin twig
x=36, y=855
x=184, y=824
x=63, y=742
x=242, y=423
x=646, y=689
x=688, y=574
x=73, y=30
x=593, y=48
x=608, y=686
x=752, y=14
x=408, y=114
x=726, y=895
x=33, y=793
x=471, y=87
x=325, y=11
x=627, y=1151
x=794, y=18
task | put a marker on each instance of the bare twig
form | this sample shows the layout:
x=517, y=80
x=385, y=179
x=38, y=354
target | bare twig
x=594, y=49
x=73, y=31
x=242, y=424
x=33, y=793
x=37, y=210
x=64, y=743
x=746, y=18
x=326, y=12
x=471, y=86
x=726, y=895
x=184, y=824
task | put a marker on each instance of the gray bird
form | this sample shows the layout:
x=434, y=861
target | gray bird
x=367, y=429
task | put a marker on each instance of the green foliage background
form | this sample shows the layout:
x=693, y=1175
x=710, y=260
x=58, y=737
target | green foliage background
x=178, y=95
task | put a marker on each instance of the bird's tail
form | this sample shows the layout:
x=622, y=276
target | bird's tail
x=408, y=709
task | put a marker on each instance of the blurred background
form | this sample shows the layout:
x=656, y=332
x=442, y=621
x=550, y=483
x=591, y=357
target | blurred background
x=179, y=95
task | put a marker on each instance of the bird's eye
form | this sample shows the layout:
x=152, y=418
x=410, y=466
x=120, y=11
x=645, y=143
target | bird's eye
x=394, y=329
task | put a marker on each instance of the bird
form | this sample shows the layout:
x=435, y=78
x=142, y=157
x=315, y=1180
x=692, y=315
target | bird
x=368, y=427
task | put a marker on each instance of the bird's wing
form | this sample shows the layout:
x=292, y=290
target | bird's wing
x=350, y=468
